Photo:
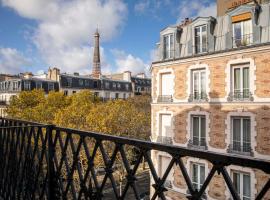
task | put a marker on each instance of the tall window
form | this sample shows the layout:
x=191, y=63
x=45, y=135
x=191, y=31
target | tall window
x=241, y=182
x=27, y=85
x=241, y=139
x=199, y=84
x=198, y=130
x=80, y=82
x=163, y=166
x=39, y=85
x=242, y=33
x=69, y=82
x=168, y=46
x=165, y=123
x=50, y=86
x=201, y=39
x=241, y=82
x=198, y=175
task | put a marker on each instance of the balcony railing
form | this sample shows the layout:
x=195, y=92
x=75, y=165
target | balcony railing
x=243, y=40
x=165, y=99
x=198, y=143
x=240, y=96
x=198, y=97
x=164, y=140
x=238, y=148
x=39, y=161
x=3, y=103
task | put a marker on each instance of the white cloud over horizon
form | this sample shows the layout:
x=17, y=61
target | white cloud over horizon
x=196, y=8
x=127, y=62
x=12, y=61
x=64, y=34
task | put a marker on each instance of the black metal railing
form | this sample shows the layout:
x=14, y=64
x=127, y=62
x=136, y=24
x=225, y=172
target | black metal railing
x=240, y=96
x=165, y=98
x=199, y=143
x=243, y=40
x=198, y=96
x=40, y=161
x=240, y=148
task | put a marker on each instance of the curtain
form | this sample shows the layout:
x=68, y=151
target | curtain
x=245, y=82
x=196, y=130
x=237, y=134
x=246, y=187
x=237, y=80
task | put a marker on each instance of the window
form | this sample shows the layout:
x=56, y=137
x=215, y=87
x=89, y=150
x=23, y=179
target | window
x=114, y=86
x=198, y=175
x=198, y=84
x=124, y=96
x=27, y=85
x=116, y=95
x=241, y=138
x=65, y=92
x=241, y=182
x=201, y=39
x=242, y=33
x=166, y=84
x=80, y=82
x=107, y=85
x=95, y=84
x=168, y=46
x=69, y=82
x=107, y=95
x=127, y=87
x=50, y=86
x=163, y=166
x=198, y=130
x=240, y=82
x=138, y=89
x=165, y=125
x=118, y=85
x=87, y=83
x=39, y=85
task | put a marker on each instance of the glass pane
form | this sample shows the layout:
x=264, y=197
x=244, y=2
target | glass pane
x=196, y=84
x=247, y=32
x=204, y=39
x=202, y=175
x=203, y=127
x=196, y=130
x=245, y=82
x=237, y=81
x=246, y=186
x=236, y=134
x=236, y=181
x=203, y=82
x=246, y=135
x=237, y=33
x=195, y=173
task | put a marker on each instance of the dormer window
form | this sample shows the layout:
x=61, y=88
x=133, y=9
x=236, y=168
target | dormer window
x=242, y=33
x=168, y=46
x=201, y=39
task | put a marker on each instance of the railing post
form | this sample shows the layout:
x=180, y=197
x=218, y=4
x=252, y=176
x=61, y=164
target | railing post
x=51, y=172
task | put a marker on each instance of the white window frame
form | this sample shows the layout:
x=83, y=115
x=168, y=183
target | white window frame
x=200, y=121
x=170, y=49
x=200, y=71
x=241, y=194
x=241, y=67
x=38, y=83
x=241, y=128
x=50, y=86
x=200, y=38
x=69, y=82
x=199, y=165
x=242, y=30
x=27, y=85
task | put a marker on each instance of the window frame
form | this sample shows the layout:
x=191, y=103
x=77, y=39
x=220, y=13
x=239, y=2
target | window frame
x=241, y=67
x=170, y=49
x=241, y=192
x=242, y=34
x=200, y=131
x=198, y=183
x=200, y=39
x=200, y=92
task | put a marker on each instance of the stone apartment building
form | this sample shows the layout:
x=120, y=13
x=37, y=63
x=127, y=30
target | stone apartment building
x=211, y=91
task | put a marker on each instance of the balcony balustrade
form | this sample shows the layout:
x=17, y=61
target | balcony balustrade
x=238, y=148
x=165, y=99
x=240, y=96
x=198, y=97
x=197, y=143
x=40, y=161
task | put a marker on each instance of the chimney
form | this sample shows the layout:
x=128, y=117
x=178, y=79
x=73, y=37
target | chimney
x=27, y=75
x=96, y=71
x=127, y=76
x=141, y=75
x=53, y=74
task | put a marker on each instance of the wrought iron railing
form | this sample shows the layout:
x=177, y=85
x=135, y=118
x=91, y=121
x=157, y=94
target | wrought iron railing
x=198, y=97
x=243, y=40
x=165, y=98
x=240, y=96
x=237, y=147
x=40, y=161
x=199, y=143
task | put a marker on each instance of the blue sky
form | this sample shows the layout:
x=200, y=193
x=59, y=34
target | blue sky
x=37, y=34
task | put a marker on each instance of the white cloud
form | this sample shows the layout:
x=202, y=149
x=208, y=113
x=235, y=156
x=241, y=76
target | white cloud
x=12, y=61
x=64, y=34
x=142, y=6
x=150, y=6
x=127, y=62
x=196, y=8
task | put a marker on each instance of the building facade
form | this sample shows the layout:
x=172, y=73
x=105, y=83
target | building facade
x=211, y=91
